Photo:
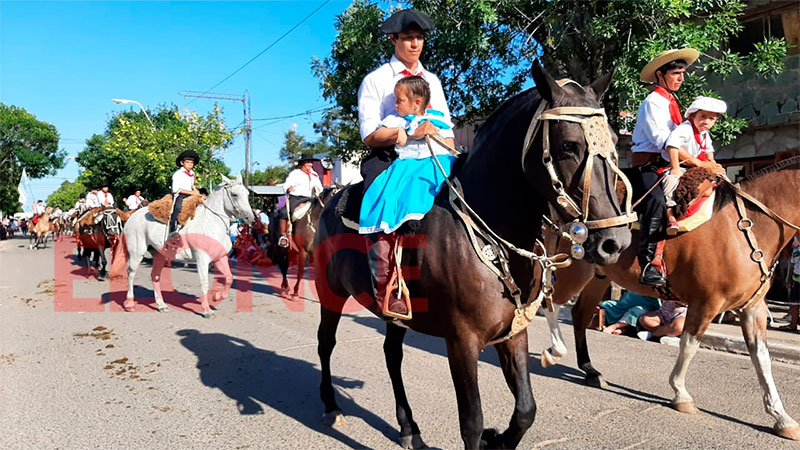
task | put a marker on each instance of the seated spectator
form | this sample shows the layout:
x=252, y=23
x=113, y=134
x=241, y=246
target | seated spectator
x=667, y=321
x=622, y=316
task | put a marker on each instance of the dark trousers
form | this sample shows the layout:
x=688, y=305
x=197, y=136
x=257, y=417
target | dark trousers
x=176, y=209
x=378, y=160
x=651, y=210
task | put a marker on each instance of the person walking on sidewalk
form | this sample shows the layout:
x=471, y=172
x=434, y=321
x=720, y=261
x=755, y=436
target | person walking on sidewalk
x=793, y=284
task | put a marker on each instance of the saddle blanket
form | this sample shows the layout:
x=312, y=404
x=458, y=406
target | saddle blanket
x=699, y=213
x=162, y=209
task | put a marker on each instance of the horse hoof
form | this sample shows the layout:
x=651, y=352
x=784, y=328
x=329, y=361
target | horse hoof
x=208, y=314
x=129, y=308
x=412, y=442
x=547, y=359
x=596, y=382
x=686, y=407
x=217, y=297
x=791, y=432
x=334, y=419
x=163, y=309
x=490, y=438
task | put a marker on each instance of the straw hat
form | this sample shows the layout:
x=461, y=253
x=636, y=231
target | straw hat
x=709, y=104
x=688, y=54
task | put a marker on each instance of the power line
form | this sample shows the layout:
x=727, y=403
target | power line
x=304, y=113
x=265, y=50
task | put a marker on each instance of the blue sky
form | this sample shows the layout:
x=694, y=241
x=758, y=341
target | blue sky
x=65, y=61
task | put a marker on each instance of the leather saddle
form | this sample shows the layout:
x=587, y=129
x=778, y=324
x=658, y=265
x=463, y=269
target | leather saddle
x=161, y=209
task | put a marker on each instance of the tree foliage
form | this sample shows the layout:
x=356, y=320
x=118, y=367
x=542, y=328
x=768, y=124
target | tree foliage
x=295, y=144
x=66, y=195
x=482, y=50
x=132, y=154
x=270, y=175
x=25, y=143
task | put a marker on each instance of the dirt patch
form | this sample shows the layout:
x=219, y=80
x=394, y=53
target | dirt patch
x=8, y=359
x=101, y=333
x=30, y=302
x=163, y=408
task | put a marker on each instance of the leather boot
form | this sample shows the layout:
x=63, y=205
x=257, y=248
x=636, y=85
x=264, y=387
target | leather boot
x=651, y=275
x=381, y=263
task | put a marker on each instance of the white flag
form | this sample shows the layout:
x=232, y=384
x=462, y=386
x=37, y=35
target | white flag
x=23, y=181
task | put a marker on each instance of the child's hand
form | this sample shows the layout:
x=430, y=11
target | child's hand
x=402, y=137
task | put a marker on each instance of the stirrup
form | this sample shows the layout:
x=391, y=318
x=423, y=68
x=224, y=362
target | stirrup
x=396, y=286
x=283, y=242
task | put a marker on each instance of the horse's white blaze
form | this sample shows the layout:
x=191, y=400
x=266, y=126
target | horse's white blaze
x=206, y=237
x=677, y=379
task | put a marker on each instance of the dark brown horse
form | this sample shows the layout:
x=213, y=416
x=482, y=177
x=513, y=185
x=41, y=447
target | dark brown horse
x=464, y=302
x=712, y=271
x=95, y=236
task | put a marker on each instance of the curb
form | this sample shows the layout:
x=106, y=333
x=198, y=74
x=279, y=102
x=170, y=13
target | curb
x=777, y=351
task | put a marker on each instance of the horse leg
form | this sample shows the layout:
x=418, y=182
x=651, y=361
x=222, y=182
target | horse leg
x=326, y=341
x=159, y=261
x=462, y=355
x=754, y=329
x=133, y=265
x=301, y=271
x=697, y=321
x=203, y=263
x=223, y=266
x=410, y=437
x=101, y=263
x=550, y=356
x=513, y=355
x=582, y=312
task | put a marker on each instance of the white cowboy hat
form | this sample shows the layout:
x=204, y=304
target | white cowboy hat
x=710, y=104
x=687, y=54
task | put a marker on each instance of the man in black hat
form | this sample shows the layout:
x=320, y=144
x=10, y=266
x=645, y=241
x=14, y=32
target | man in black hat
x=406, y=30
x=301, y=185
x=183, y=185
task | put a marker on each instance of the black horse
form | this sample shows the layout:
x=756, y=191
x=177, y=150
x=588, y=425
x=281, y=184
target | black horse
x=467, y=304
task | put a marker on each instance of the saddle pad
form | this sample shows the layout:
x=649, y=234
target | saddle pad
x=301, y=211
x=162, y=209
x=698, y=214
x=348, y=206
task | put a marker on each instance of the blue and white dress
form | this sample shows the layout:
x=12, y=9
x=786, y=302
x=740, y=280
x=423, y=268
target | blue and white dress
x=406, y=190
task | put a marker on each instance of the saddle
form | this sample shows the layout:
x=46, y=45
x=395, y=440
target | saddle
x=161, y=209
x=348, y=208
x=301, y=210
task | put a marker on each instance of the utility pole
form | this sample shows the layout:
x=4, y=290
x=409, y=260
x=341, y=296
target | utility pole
x=245, y=99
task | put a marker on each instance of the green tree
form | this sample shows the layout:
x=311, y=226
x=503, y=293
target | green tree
x=295, y=144
x=25, y=143
x=66, y=195
x=132, y=155
x=482, y=49
x=270, y=174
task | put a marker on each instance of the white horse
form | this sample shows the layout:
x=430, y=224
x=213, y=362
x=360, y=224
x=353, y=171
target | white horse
x=203, y=240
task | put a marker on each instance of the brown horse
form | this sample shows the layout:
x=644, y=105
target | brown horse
x=511, y=186
x=95, y=231
x=40, y=230
x=301, y=241
x=712, y=271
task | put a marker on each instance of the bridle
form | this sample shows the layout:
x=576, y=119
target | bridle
x=224, y=217
x=598, y=144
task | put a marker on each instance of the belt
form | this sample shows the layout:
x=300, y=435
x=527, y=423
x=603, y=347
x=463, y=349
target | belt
x=642, y=158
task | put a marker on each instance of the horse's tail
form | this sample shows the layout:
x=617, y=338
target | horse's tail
x=119, y=257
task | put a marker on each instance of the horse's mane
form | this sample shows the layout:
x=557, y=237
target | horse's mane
x=726, y=194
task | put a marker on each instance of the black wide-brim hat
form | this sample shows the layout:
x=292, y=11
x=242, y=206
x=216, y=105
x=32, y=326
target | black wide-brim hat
x=187, y=154
x=306, y=157
x=405, y=19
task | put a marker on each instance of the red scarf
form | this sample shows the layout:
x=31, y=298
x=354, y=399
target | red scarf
x=408, y=73
x=701, y=142
x=191, y=175
x=674, y=109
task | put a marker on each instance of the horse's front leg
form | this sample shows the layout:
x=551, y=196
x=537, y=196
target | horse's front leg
x=301, y=272
x=410, y=437
x=223, y=267
x=551, y=355
x=582, y=313
x=513, y=356
x=326, y=341
x=462, y=354
x=159, y=261
x=203, y=263
x=754, y=329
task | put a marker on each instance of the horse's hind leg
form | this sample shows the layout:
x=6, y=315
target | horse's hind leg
x=513, y=356
x=754, y=329
x=410, y=437
x=552, y=354
x=326, y=341
x=133, y=265
x=582, y=313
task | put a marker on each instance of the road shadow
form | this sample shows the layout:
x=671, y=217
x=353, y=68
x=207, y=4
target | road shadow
x=252, y=376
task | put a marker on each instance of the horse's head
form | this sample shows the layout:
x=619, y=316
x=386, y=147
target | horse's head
x=578, y=170
x=236, y=199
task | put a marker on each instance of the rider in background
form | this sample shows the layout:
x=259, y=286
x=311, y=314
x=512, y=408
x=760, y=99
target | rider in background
x=301, y=185
x=658, y=115
x=183, y=185
x=38, y=210
x=134, y=201
x=104, y=197
x=690, y=144
x=91, y=199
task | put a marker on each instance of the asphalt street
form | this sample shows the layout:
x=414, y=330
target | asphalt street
x=76, y=373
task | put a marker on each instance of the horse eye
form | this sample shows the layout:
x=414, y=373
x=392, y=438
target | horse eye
x=571, y=147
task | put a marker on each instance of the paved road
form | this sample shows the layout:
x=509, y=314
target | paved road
x=249, y=380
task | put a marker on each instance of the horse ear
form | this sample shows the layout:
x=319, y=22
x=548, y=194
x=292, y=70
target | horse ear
x=224, y=178
x=545, y=84
x=601, y=85
x=239, y=178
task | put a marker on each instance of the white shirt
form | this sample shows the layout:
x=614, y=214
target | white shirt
x=376, y=96
x=183, y=180
x=105, y=198
x=653, y=124
x=92, y=201
x=414, y=148
x=683, y=136
x=305, y=185
x=38, y=208
x=134, y=202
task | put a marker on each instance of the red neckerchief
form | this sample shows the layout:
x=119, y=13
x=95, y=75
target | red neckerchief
x=188, y=173
x=408, y=73
x=700, y=141
x=674, y=109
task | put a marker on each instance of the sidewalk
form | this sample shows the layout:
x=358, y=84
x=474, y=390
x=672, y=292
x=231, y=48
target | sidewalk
x=783, y=345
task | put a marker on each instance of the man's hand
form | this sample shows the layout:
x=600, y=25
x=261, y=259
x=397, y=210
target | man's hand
x=290, y=189
x=424, y=129
x=402, y=137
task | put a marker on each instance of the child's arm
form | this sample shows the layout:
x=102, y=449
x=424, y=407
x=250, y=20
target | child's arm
x=674, y=160
x=386, y=136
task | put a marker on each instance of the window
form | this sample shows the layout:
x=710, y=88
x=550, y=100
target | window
x=756, y=30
